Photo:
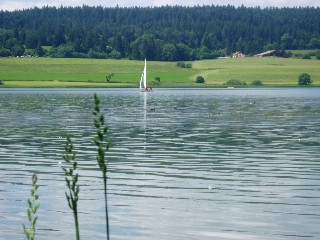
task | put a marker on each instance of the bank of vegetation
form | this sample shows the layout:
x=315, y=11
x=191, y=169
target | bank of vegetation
x=168, y=33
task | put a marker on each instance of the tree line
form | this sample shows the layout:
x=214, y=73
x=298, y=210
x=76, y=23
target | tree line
x=168, y=33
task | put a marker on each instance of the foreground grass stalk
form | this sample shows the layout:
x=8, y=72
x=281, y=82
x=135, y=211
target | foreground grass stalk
x=102, y=146
x=72, y=183
x=32, y=210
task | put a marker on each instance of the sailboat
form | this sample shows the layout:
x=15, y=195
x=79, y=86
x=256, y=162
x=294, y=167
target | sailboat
x=143, y=80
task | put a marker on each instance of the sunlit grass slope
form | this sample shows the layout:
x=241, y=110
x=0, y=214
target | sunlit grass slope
x=271, y=70
x=87, y=72
x=61, y=72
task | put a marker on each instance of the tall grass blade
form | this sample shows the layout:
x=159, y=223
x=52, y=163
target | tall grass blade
x=102, y=146
x=72, y=183
x=30, y=231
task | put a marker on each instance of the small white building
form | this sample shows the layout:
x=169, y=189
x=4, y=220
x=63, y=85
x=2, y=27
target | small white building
x=238, y=55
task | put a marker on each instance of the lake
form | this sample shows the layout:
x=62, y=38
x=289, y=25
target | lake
x=183, y=163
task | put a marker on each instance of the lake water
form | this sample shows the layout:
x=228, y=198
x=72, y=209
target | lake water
x=183, y=164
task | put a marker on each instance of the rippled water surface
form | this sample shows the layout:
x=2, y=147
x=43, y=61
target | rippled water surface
x=183, y=164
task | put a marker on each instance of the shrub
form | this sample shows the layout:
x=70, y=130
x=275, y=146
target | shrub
x=304, y=79
x=1, y=83
x=4, y=52
x=306, y=56
x=115, y=55
x=188, y=65
x=94, y=54
x=184, y=65
x=200, y=79
x=157, y=79
x=235, y=82
x=181, y=64
x=29, y=52
x=64, y=51
x=109, y=77
x=256, y=83
x=297, y=55
x=79, y=55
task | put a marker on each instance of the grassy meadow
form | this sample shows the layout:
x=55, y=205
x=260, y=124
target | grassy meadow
x=272, y=71
x=62, y=72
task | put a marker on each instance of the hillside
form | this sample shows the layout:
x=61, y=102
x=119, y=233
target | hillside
x=169, y=33
x=50, y=72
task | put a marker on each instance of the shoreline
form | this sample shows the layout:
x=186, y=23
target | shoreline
x=163, y=87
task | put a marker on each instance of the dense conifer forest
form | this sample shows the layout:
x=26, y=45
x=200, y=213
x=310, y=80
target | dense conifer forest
x=168, y=33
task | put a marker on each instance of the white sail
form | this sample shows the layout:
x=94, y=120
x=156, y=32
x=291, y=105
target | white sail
x=145, y=74
x=143, y=80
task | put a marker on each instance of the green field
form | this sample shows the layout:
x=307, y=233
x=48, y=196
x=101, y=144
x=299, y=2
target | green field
x=272, y=71
x=311, y=52
x=61, y=72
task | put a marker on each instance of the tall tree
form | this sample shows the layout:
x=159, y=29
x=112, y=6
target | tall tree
x=138, y=32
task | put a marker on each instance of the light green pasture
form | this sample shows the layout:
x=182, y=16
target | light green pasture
x=62, y=72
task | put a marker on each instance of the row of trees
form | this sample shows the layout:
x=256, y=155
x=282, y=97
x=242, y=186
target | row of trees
x=170, y=33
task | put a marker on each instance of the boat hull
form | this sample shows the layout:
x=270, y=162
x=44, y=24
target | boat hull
x=144, y=90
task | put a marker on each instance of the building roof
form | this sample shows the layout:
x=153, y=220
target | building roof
x=265, y=53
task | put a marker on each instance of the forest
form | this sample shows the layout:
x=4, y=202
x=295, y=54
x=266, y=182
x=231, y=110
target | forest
x=168, y=33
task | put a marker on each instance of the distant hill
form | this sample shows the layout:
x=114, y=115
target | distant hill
x=169, y=33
